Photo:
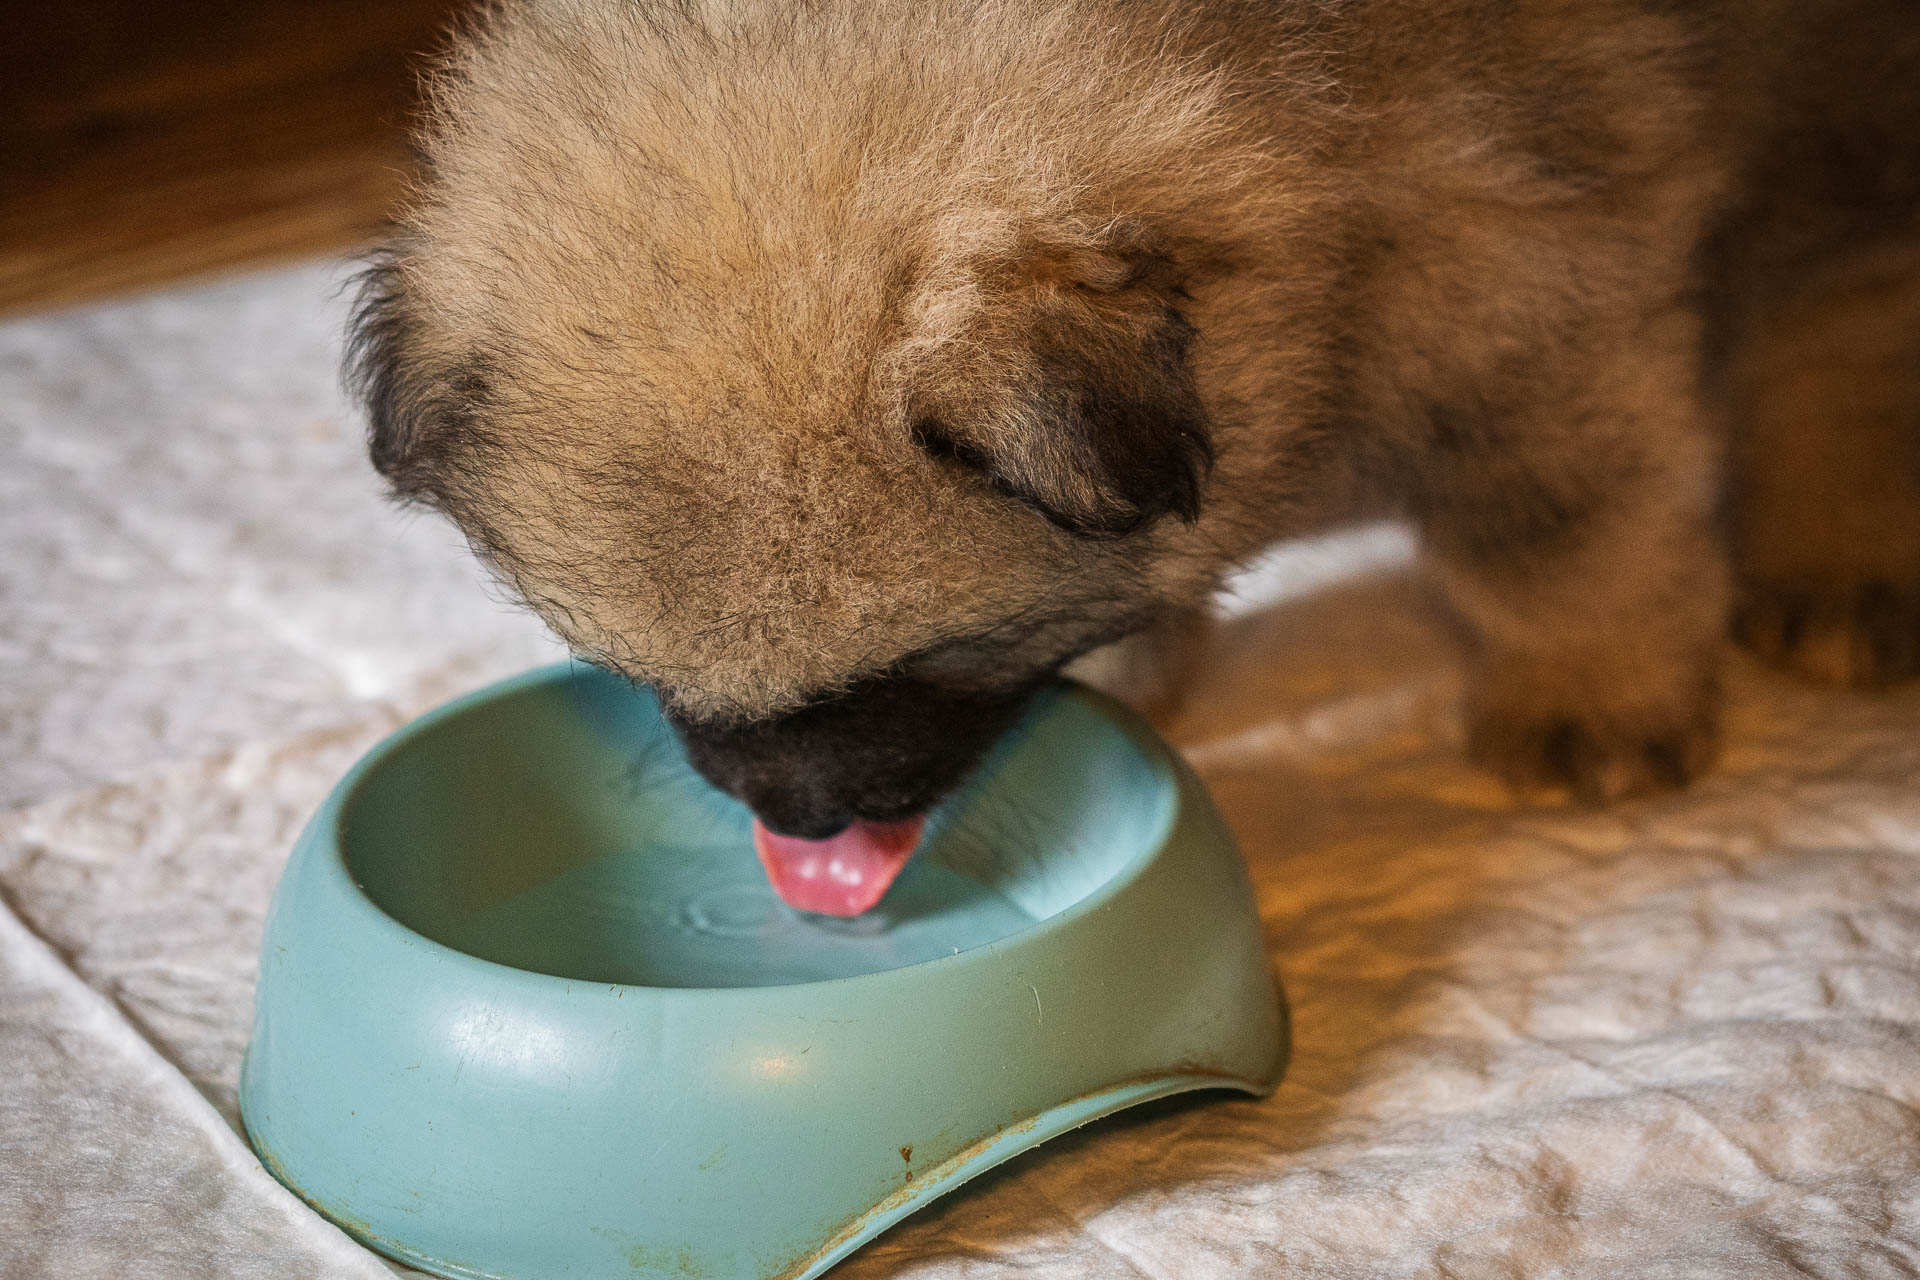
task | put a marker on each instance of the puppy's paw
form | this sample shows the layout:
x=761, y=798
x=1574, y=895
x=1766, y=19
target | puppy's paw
x=1596, y=753
x=1861, y=634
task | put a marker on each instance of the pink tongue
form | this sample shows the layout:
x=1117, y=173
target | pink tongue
x=842, y=875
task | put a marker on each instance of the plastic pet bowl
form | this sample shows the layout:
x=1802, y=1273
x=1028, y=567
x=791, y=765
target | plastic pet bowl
x=528, y=1008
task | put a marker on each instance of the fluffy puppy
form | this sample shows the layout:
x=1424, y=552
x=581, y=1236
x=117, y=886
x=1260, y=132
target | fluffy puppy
x=843, y=368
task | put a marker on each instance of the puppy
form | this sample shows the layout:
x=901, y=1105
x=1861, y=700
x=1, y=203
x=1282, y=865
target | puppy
x=844, y=368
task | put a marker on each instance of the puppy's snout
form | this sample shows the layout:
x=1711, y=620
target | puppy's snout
x=812, y=787
x=791, y=813
x=886, y=750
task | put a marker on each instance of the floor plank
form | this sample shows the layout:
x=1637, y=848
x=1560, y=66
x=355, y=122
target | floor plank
x=141, y=143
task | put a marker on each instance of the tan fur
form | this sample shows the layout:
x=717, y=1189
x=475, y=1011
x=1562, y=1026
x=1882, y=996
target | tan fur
x=711, y=316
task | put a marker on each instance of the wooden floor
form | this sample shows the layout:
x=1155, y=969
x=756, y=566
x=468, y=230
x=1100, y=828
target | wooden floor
x=144, y=142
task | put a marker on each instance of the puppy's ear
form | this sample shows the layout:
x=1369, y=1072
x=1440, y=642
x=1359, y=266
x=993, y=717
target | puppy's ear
x=416, y=400
x=1104, y=432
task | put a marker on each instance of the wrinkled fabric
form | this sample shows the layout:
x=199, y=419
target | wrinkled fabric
x=1675, y=1038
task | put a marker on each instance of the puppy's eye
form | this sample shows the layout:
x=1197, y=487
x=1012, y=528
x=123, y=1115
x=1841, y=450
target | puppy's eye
x=937, y=439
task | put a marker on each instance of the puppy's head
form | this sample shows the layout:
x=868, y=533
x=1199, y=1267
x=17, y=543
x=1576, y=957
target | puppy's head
x=840, y=379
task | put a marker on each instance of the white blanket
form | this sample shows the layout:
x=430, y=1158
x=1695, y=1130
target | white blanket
x=1676, y=1038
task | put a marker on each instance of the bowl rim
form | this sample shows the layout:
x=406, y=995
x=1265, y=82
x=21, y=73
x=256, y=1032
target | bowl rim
x=325, y=828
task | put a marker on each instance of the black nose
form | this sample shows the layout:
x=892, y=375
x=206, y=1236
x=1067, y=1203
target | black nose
x=788, y=814
x=885, y=749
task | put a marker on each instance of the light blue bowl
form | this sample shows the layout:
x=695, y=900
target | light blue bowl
x=527, y=1007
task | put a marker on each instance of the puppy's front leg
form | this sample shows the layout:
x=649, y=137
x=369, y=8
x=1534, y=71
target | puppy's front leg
x=1574, y=532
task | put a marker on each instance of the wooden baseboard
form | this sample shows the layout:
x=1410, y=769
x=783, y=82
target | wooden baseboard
x=142, y=143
